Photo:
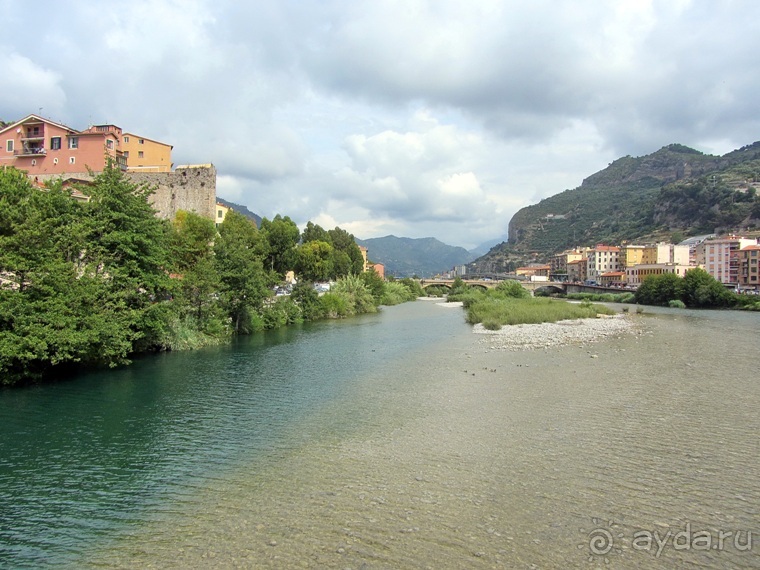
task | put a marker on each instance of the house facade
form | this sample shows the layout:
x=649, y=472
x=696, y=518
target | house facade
x=44, y=148
x=145, y=154
x=40, y=146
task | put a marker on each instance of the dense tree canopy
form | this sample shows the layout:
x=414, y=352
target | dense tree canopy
x=94, y=283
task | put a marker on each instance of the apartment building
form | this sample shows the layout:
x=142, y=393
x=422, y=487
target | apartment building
x=602, y=259
x=665, y=253
x=559, y=261
x=749, y=267
x=631, y=255
x=720, y=257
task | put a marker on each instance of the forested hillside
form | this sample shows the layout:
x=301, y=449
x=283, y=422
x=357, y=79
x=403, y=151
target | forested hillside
x=423, y=257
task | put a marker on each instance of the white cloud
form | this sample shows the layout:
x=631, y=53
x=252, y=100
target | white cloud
x=416, y=117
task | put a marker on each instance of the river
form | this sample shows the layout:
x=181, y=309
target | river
x=397, y=440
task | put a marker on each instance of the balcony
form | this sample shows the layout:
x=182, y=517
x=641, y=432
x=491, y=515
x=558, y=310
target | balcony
x=30, y=151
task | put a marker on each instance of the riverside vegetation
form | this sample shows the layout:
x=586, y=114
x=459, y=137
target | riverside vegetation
x=509, y=303
x=94, y=283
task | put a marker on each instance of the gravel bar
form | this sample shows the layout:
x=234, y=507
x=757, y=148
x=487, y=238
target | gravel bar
x=545, y=335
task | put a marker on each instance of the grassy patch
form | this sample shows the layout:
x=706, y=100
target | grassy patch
x=493, y=312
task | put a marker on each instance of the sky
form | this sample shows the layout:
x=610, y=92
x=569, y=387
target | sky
x=417, y=118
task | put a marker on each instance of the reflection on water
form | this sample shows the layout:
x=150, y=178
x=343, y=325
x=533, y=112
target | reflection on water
x=397, y=441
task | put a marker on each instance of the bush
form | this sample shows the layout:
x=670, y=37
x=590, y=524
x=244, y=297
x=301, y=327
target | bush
x=676, y=304
x=334, y=306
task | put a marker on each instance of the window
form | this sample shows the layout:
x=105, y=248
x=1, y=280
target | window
x=73, y=143
x=126, y=154
x=9, y=145
x=109, y=144
x=72, y=160
x=55, y=143
x=141, y=141
x=126, y=139
x=140, y=154
x=218, y=213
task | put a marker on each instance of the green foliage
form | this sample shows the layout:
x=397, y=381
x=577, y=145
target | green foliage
x=676, y=304
x=375, y=284
x=396, y=293
x=335, y=305
x=81, y=277
x=238, y=253
x=603, y=297
x=702, y=290
x=190, y=239
x=314, y=261
x=89, y=283
x=511, y=289
x=697, y=289
x=315, y=232
x=357, y=295
x=660, y=289
x=305, y=296
x=283, y=311
x=282, y=235
x=413, y=285
x=500, y=311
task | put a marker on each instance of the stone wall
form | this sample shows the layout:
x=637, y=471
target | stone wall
x=191, y=188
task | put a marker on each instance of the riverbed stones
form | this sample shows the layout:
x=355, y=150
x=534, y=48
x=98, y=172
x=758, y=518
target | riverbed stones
x=545, y=335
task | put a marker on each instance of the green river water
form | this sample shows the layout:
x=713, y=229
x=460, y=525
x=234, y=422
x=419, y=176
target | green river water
x=397, y=440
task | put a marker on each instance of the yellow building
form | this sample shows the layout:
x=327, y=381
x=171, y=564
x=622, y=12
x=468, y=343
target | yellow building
x=145, y=154
x=631, y=255
x=221, y=213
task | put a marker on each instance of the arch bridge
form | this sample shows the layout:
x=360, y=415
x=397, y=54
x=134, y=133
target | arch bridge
x=554, y=286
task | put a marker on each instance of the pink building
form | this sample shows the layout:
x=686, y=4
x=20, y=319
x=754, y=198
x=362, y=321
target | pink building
x=40, y=146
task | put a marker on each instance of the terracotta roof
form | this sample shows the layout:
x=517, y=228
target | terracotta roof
x=613, y=274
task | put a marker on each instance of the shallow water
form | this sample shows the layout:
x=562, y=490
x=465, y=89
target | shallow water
x=397, y=441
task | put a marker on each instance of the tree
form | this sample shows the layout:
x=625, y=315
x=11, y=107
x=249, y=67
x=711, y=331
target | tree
x=239, y=251
x=343, y=241
x=702, y=290
x=191, y=239
x=314, y=232
x=660, y=289
x=314, y=261
x=282, y=234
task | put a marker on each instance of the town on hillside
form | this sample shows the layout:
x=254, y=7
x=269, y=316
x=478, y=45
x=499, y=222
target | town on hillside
x=732, y=260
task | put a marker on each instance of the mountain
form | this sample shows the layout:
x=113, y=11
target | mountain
x=405, y=257
x=485, y=247
x=674, y=191
x=241, y=210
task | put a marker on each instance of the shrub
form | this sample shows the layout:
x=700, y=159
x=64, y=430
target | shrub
x=676, y=304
